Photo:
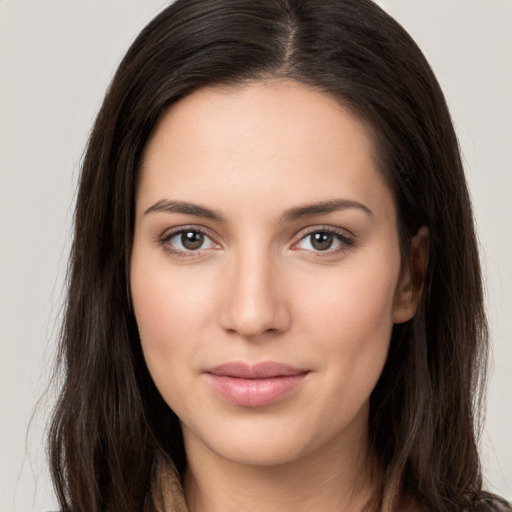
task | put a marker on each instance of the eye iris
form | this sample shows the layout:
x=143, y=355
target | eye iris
x=322, y=241
x=192, y=240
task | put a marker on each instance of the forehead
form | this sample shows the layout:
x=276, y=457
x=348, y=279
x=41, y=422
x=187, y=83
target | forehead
x=287, y=141
x=236, y=116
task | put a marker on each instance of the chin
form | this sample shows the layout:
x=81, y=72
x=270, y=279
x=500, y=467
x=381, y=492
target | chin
x=261, y=452
x=259, y=443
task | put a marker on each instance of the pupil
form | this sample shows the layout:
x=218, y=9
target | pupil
x=192, y=240
x=322, y=241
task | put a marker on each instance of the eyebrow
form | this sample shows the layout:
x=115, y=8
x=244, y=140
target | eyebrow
x=292, y=214
x=185, y=207
x=322, y=208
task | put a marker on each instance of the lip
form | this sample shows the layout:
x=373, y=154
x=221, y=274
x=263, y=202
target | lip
x=255, y=385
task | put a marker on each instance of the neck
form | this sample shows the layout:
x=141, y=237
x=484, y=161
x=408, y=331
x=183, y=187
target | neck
x=339, y=476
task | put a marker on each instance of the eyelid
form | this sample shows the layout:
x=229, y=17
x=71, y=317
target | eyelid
x=344, y=236
x=347, y=238
x=170, y=233
x=324, y=228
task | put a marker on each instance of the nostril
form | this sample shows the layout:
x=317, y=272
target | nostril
x=268, y=322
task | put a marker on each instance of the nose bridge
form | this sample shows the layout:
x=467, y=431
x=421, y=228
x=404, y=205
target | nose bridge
x=254, y=303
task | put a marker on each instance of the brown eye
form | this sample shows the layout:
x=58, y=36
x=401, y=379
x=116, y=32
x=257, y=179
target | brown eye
x=187, y=240
x=321, y=241
x=324, y=241
x=192, y=240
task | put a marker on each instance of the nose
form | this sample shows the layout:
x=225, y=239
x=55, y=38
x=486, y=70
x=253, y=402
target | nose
x=254, y=302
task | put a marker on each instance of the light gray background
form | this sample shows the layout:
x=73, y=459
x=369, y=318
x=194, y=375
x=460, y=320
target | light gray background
x=56, y=60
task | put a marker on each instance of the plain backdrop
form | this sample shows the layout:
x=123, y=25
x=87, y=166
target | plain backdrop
x=56, y=60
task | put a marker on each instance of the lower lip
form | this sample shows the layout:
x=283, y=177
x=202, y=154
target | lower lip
x=255, y=392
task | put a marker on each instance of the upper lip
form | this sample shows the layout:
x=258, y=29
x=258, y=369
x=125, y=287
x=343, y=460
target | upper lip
x=242, y=370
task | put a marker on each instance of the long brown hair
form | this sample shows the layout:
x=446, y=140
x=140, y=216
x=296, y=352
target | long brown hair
x=110, y=421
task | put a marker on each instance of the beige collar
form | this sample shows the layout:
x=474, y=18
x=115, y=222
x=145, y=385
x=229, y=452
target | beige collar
x=167, y=493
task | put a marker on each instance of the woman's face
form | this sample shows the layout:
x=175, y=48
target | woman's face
x=265, y=272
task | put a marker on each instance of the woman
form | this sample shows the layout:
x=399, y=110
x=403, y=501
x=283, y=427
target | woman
x=275, y=299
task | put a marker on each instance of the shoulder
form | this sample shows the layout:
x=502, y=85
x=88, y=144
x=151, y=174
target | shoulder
x=488, y=502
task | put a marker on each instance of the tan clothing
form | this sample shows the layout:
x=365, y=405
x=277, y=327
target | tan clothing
x=167, y=495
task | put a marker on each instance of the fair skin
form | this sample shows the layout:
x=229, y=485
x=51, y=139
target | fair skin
x=264, y=235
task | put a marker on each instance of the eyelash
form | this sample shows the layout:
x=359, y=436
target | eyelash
x=169, y=235
x=346, y=242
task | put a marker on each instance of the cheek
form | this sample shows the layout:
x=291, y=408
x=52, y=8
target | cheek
x=171, y=311
x=168, y=318
x=169, y=303
x=351, y=319
x=354, y=301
